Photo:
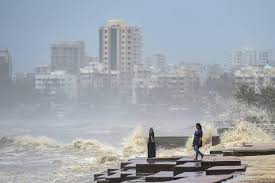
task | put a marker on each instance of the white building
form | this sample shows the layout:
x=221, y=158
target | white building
x=247, y=57
x=182, y=81
x=94, y=76
x=57, y=83
x=120, y=48
x=68, y=56
x=244, y=57
x=200, y=70
x=255, y=76
x=42, y=69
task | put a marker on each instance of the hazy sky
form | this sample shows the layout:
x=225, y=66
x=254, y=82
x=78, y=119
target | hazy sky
x=202, y=31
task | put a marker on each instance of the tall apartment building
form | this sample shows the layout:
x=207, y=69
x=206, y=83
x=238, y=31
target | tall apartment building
x=244, y=57
x=120, y=47
x=5, y=68
x=265, y=57
x=68, y=56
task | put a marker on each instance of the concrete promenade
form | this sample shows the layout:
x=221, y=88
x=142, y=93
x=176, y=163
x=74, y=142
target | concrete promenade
x=251, y=163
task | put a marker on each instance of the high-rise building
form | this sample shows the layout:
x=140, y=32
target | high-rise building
x=120, y=47
x=68, y=56
x=5, y=68
x=265, y=57
x=244, y=57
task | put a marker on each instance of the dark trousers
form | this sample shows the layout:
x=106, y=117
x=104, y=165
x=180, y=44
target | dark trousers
x=197, y=150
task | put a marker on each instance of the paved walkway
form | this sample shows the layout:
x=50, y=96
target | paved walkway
x=261, y=169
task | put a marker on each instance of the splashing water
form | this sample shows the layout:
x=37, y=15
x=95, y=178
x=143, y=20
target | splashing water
x=135, y=144
x=244, y=132
x=37, y=142
x=76, y=161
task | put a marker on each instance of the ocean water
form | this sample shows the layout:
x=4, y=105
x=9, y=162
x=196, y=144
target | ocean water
x=72, y=150
x=67, y=150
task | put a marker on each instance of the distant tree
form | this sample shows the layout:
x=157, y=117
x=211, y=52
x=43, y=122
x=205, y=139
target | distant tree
x=247, y=95
x=266, y=98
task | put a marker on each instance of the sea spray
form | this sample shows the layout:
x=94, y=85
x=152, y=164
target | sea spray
x=135, y=144
x=88, y=145
x=244, y=132
x=30, y=142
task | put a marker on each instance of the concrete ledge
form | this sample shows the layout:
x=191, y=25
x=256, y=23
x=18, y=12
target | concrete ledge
x=220, y=161
x=98, y=175
x=112, y=171
x=155, y=167
x=190, y=174
x=187, y=167
x=160, y=176
x=186, y=159
x=123, y=164
x=114, y=178
x=248, y=150
x=102, y=181
x=221, y=170
x=152, y=160
x=204, y=179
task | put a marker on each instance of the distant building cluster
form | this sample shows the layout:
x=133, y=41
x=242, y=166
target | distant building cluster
x=247, y=56
x=254, y=68
x=121, y=72
x=255, y=76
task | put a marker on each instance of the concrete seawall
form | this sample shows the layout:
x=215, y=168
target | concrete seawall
x=170, y=142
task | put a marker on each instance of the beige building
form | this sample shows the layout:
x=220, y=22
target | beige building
x=120, y=48
x=68, y=56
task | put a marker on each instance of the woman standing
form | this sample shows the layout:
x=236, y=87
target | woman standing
x=151, y=144
x=197, y=141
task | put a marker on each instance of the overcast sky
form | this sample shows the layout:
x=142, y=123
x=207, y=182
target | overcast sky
x=199, y=31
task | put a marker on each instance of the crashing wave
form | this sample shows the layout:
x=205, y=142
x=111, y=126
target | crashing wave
x=244, y=132
x=135, y=144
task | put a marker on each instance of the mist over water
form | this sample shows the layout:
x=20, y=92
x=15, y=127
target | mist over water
x=66, y=150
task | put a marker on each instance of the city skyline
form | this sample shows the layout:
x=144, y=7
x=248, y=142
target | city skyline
x=183, y=31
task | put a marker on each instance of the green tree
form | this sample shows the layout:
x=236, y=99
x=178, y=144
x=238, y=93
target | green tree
x=246, y=95
x=266, y=98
